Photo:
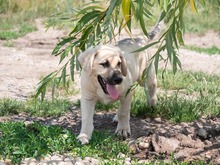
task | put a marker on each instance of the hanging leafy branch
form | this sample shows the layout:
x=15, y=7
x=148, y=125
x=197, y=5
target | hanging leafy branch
x=95, y=24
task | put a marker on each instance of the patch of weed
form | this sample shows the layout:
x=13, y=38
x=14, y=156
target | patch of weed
x=10, y=107
x=189, y=82
x=35, y=140
x=47, y=108
x=211, y=51
x=16, y=33
x=52, y=108
x=207, y=17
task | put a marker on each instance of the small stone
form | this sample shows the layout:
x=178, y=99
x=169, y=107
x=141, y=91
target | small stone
x=79, y=163
x=143, y=145
x=43, y=163
x=158, y=119
x=31, y=161
x=128, y=161
x=143, y=161
x=208, y=155
x=121, y=155
x=85, y=162
x=92, y=161
x=132, y=142
x=47, y=158
x=207, y=142
x=56, y=157
x=202, y=133
x=163, y=144
x=28, y=122
x=69, y=160
x=217, y=128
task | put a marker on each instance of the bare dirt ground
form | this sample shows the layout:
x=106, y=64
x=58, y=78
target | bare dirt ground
x=22, y=66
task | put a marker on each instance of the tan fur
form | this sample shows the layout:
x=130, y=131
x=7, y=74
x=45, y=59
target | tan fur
x=122, y=61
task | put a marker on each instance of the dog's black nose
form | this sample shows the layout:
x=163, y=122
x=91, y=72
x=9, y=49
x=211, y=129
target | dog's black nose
x=117, y=80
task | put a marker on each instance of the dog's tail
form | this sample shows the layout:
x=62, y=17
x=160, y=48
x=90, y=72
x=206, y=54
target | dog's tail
x=157, y=29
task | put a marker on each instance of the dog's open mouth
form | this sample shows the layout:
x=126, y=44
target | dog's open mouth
x=108, y=89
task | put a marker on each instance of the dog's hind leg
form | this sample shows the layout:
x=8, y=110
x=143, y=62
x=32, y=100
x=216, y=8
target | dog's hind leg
x=152, y=86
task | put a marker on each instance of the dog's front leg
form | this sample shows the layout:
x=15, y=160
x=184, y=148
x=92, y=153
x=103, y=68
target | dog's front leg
x=123, y=116
x=87, y=112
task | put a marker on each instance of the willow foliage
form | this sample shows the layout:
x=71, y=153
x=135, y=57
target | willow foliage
x=101, y=21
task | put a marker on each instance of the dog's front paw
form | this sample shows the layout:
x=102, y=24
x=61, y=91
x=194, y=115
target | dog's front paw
x=123, y=131
x=83, y=138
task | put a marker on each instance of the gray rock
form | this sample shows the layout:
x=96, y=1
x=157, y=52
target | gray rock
x=143, y=145
x=202, y=133
x=163, y=144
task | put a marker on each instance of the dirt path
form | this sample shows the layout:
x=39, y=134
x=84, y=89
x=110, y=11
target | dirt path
x=22, y=65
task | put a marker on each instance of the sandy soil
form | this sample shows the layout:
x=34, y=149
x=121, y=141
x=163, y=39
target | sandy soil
x=30, y=59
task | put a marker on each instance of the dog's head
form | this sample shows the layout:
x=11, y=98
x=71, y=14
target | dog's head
x=107, y=64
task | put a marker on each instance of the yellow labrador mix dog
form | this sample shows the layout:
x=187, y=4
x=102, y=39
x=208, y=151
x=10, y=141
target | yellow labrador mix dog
x=107, y=74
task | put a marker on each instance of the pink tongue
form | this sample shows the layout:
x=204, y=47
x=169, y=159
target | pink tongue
x=112, y=91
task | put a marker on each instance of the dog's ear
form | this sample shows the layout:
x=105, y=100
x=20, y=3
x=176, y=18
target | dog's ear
x=123, y=66
x=86, y=59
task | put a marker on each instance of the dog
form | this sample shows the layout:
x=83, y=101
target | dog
x=108, y=72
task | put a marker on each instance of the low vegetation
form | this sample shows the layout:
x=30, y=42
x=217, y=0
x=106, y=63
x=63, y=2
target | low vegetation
x=182, y=97
x=211, y=50
x=17, y=17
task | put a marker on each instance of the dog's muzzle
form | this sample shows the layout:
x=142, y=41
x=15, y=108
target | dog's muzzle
x=109, y=84
x=115, y=79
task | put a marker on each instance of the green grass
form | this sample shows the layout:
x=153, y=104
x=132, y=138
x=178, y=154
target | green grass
x=19, y=141
x=36, y=140
x=47, y=108
x=175, y=108
x=16, y=33
x=211, y=51
x=206, y=19
x=187, y=97
x=189, y=82
x=17, y=17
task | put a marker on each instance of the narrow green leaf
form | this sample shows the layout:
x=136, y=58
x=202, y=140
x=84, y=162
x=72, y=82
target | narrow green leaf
x=169, y=46
x=141, y=19
x=180, y=37
x=84, y=36
x=156, y=61
x=88, y=8
x=53, y=85
x=41, y=87
x=86, y=19
x=63, y=75
x=111, y=8
x=165, y=5
x=61, y=44
x=64, y=55
x=72, y=68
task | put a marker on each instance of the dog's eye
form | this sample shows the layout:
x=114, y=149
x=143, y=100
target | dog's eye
x=105, y=64
x=119, y=63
